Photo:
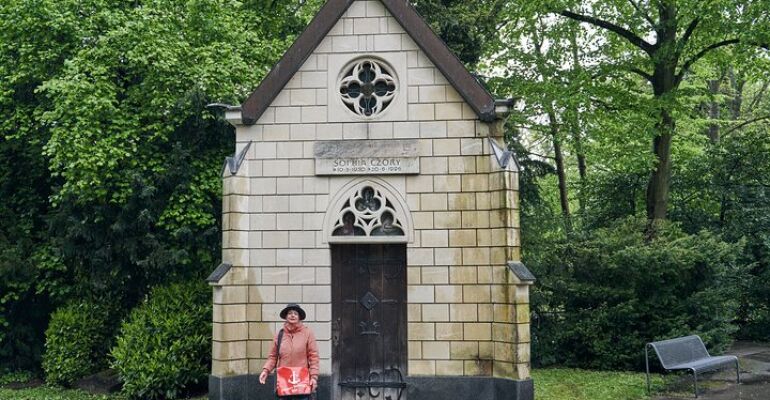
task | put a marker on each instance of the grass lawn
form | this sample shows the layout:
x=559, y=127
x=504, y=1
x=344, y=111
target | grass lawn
x=576, y=384
x=550, y=384
x=52, y=393
x=46, y=393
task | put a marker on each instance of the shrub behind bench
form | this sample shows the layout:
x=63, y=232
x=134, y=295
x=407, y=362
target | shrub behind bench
x=602, y=294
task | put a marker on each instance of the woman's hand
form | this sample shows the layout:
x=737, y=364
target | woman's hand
x=313, y=384
x=263, y=377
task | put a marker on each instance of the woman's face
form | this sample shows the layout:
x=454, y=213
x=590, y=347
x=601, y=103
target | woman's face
x=292, y=317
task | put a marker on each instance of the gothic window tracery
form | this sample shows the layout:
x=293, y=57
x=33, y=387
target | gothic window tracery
x=367, y=87
x=368, y=213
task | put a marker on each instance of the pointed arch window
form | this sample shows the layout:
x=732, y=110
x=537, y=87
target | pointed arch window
x=368, y=213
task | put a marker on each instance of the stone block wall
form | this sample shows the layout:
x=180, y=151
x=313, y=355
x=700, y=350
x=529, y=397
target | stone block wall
x=467, y=314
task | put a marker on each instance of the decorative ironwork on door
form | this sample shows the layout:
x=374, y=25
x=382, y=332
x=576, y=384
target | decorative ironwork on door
x=369, y=354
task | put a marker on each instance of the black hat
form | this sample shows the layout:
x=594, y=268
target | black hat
x=294, y=307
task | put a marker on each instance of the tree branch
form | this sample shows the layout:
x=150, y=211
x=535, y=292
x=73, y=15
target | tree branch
x=695, y=58
x=687, y=34
x=760, y=95
x=603, y=104
x=529, y=153
x=642, y=13
x=623, y=32
x=686, y=66
x=744, y=123
x=641, y=73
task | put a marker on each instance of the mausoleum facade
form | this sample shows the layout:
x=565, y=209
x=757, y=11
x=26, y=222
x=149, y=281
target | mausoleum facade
x=370, y=184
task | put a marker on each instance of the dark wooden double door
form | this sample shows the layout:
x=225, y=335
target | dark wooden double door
x=369, y=337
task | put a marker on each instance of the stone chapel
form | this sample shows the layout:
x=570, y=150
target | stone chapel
x=371, y=184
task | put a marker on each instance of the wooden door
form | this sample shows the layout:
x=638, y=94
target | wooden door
x=369, y=354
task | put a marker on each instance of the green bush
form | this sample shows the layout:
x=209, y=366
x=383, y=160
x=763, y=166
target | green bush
x=77, y=341
x=16, y=376
x=755, y=310
x=164, y=348
x=601, y=296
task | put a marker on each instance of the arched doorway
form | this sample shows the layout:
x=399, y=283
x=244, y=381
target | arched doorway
x=368, y=230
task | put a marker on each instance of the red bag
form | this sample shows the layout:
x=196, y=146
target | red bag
x=292, y=381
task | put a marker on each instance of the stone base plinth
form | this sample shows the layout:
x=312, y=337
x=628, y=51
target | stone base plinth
x=247, y=387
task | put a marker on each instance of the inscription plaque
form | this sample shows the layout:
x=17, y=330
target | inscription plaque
x=367, y=157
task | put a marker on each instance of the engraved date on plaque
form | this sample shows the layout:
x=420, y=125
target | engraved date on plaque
x=367, y=165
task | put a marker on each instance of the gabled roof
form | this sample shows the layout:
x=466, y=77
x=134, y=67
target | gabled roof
x=477, y=97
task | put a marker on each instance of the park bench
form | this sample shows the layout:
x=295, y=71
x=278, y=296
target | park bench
x=687, y=353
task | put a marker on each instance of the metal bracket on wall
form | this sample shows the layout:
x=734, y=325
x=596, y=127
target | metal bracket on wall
x=234, y=163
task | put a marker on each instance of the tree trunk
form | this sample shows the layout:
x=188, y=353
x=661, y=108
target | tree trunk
x=560, y=171
x=581, y=160
x=658, y=185
x=714, y=110
x=664, y=83
x=581, y=156
x=553, y=125
x=575, y=127
x=736, y=104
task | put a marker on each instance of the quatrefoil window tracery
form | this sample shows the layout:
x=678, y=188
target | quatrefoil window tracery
x=368, y=213
x=367, y=88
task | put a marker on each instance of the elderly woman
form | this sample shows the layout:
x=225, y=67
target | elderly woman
x=298, y=346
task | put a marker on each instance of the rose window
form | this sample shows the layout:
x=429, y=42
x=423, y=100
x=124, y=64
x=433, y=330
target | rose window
x=368, y=213
x=367, y=88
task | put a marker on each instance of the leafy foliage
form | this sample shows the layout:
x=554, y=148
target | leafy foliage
x=23, y=314
x=163, y=349
x=640, y=54
x=465, y=26
x=734, y=198
x=52, y=393
x=109, y=161
x=604, y=294
x=133, y=145
x=78, y=339
x=590, y=96
x=24, y=181
x=11, y=377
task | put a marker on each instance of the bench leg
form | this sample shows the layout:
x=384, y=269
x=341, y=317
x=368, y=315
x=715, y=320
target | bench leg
x=737, y=370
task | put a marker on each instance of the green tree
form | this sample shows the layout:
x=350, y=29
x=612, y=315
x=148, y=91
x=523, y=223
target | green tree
x=718, y=139
x=466, y=26
x=661, y=41
x=111, y=163
x=550, y=74
x=35, y=38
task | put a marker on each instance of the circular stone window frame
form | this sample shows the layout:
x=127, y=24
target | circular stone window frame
x=393, y=73
x=343, y=196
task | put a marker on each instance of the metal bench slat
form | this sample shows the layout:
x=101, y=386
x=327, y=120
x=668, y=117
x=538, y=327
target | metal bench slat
x=680, y=350
x=706, y=364
x=688, y=353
